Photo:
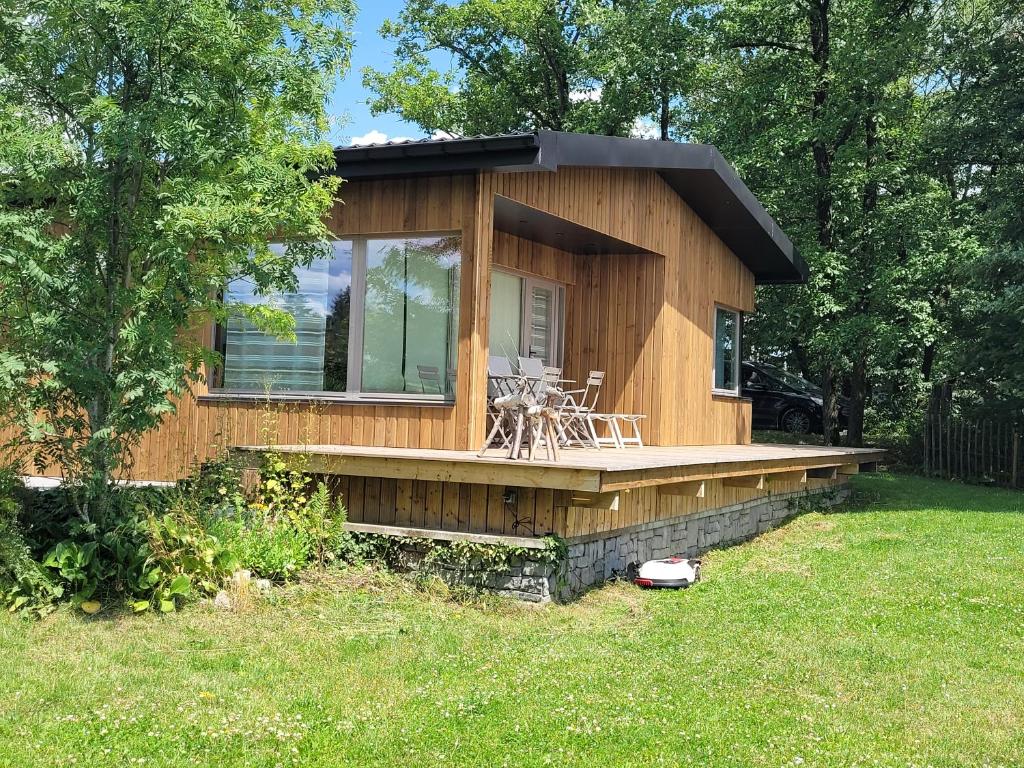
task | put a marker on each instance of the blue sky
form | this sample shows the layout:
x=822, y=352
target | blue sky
x=348, y=104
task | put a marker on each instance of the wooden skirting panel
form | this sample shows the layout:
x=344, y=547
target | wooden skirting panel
x=530, y=512
x=652, y=503
x=467, y=507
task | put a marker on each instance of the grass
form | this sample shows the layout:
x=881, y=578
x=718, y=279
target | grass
x=779, y=437
x=891, y=634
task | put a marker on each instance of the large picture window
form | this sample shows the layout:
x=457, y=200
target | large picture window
x=379, y=316
x=727, y=351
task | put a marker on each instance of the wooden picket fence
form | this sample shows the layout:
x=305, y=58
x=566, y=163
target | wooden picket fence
x=985, y=450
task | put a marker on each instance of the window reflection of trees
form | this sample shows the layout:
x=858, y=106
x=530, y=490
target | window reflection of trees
x=336, y=345
x=401, y=300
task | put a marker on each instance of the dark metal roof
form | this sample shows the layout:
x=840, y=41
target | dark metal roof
x=697, y=172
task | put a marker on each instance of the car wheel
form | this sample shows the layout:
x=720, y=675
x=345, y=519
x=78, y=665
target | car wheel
x=796, y=422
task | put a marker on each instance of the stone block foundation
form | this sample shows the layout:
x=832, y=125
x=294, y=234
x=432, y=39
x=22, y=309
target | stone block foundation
x=593, y=559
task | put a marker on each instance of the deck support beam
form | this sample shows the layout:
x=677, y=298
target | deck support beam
x=609, y=500
x=404, y=532
x=693, y=489
x=756, y=482
x=581, y=472
x=795, y=476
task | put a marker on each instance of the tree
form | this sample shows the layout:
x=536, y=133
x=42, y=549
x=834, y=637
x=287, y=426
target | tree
x=148, y=150
x=976, y=148
x=646, y=55
x=818, y=105
x=590, y=66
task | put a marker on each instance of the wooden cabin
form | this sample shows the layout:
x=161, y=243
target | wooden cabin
x=635, y=258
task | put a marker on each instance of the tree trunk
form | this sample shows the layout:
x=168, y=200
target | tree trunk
x=829, y=406
x=800, y=353
x=858, y=397
x=665, y=114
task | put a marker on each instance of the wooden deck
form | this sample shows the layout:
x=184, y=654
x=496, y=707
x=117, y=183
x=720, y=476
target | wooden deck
x=594, y=471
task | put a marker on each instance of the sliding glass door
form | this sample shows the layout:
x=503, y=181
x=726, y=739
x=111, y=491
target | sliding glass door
x=505, y=331
x=526, y=317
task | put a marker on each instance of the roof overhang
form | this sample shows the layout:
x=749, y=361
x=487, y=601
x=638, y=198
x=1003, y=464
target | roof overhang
x=696, y=172
x=542, y=227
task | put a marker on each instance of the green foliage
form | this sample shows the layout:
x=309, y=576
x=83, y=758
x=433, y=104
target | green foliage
x=374, y=548
x=570, y=65
x=216, y=483
x=287, y=494
x=291, y=522
x=272, y=550
x=324, y=520
x=185, y=559
x=25, y=587
x=467, y=554
x=79, y=566
x=816, y=105
x=156, y=555
x=990, y=375
x=149, y=149
x=284, y=488
x=156, y=548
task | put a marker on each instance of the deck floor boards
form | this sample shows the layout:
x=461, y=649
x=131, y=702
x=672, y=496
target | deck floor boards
x=580, y=468
x=604, y=460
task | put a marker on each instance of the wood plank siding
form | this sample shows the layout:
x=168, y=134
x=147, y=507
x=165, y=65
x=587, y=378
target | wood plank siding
x=646, y=320
x=528, y=512
x=423, y=204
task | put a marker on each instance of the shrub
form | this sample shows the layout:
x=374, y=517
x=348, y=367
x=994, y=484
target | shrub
x=291, y=523
x=275, y=551
x=184, y=559
x=152, y=551
x=216, y=483
x=153, y=548
x=25, y=585
x=324, y=522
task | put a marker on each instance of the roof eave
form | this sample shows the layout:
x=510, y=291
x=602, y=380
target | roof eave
x=698, y=173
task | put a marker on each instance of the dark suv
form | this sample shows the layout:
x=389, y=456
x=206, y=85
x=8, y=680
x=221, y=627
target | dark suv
x=783, y=400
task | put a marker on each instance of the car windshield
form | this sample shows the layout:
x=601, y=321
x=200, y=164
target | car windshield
x=791, y=380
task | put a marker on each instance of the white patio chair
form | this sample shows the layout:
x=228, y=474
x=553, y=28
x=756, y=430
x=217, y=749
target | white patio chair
x=575, y=425
x=579, y=419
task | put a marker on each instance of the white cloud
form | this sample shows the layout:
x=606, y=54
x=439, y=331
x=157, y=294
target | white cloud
x=438, y=134
x=375, y=137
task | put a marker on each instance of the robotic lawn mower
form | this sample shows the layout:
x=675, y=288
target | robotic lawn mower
x=670, y=573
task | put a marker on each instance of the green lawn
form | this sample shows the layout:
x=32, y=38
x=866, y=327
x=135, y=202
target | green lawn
x=891, y=635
